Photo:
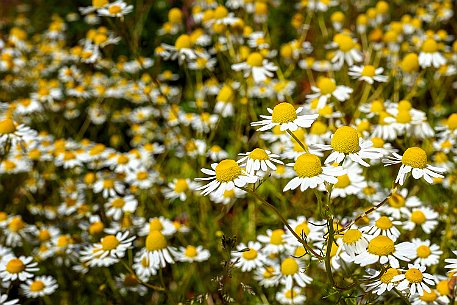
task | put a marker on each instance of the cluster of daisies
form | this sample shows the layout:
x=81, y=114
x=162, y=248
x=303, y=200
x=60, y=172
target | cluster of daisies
x=351, y=119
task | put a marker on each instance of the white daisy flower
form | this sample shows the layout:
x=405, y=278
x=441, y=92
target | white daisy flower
x=226, y=175
x=285, y=115
x=368, y=73
x=381, y=283
x=415, y=279
x=427, y=254
x=424, y=217
x=257, y=66
x=414, y=160
x=192, y=254
x=354, y=241
x=158, y=253
x=274, y=241
x=383, y=225
x=15, y=133
x=347, y=143
x=325, y=89
x=350, y=183
x=3, y=300
x=115, y=9
x=249, y=257
x=179, y=188
x=118, y=206
x=39, y=286
x=13, y=268
x=290, y=273
x=311, y=174
x=265, y=275
x=259, y=160
x=430, y=55
x=292, y=295
x=111, y=247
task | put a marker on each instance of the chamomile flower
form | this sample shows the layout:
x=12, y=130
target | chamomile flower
x=310, y=173
x=192, y=254
x=157, y=252
x=115, y=9
x=118, y=206
x=180, y=188
x=290, y=273
x=381, y=282
x=15, y=133
x=415, y=279
x=423, y=217
x=427, y=254
x=13, y=268
x=347, y=50
x=291, y=295
x=265, y=275
x=112, y=247
x=349, y=183
x=430, y=55
x=248, y=257
x=257, y=66
x=274, y=241
x=354, y=241
x=259, y=160
x=368, y=73
x=325, y=89
x=383, y=225
x=414, y=160
x=39, y=286
x=347, y=143
x=109, y=187
x=382, y=249
x=226, y=175
x=286, y=116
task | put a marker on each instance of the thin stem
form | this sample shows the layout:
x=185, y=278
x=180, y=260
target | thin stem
x=303, y=145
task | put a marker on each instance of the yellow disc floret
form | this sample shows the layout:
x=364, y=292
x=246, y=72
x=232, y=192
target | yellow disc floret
x=258, y=154
x=250, y=254
x=381, y=246
x=109, y=242
x=283, y=113
x=352, y=236
x=255, y=59
x=227, y=170
x=345, y=140
x=308, y=165
x=414, y=275
x=289, y=266
x=423, y=251
x=387, y=277
x=155, y=241
x=384, y=223
x=15, y=265
x=415, y=157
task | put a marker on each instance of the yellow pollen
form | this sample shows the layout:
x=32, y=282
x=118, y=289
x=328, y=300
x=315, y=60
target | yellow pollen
x=155, y=241
x=289, y=266
x=415, y=157
x=308, y=165
x=269, y=272
x=343, y=181
x=381, y=246
x=255, y=59
x=9, y=165
x=384, y=223
x=190, y=251
x=345, y=140
x=181, y=186
x=414, y=275
x=276, y=237
x=430, y=46
x=418, y=217
x=428, y=297
x=423, y=251
x=352, y=236
x=183, y=42
x=387, y=277
x=155, y=225
x=63, y=241
x=122, y=159
x=15, y=265
x=114, y=9
x=258, y=154
x=175, y=15
x=229, y=193
x=250, y=254
x=326, y=85
x=284, y=113
x=403, y=116
x=36, y=286
x=369, y=71
x=369, y=190
x=227, y=170
x=109, y=242
x=7, y=126
x=404, y=105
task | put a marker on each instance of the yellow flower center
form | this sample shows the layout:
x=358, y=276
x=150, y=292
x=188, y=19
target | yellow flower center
x=255, y=59
x=142, y=176
x=283, y=113
x=410, y=62
x=155, y=225
x=183, y=42
x=118, y=203
x=415, y=157
x=227, y=170
x=175, y=15
x=96, y=227
x=229, y=193
x=369, y=190
x=181, y=186
x=381, y=246
x=289, y=266
x=451, y=122
x=122, y=159
x=384, y=223
x=250, y=254
x=352, y=236
x=377, y=106
x=387, y=277
x=15, y=265
x=302, y=228
x=63, y=241
x=423, y=251
x=308, y=165
x=276, y=237
x=318, y=128
x=258, y=154
x=369, y=71
x=396, y=201
x=430, y=46
x=428, y=297
x=109, y=242
x=345, y=42
x=114, y=9
x=7, y=126
x=190, y=251
x=345, y=140
x=36, y=286
x=155, y=241
x=403, y=116
x=377, y=142
x=404, y=105
x=16, y=224
x=414, y=275
x=269, y=272
x=443, y=287
x=418, y=217
x=130, y=280
x=326, y=85
x=290, y=294
x=343, y=181
x=108, y=184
